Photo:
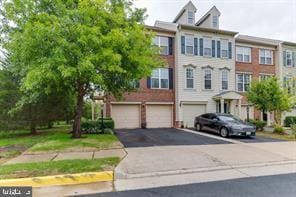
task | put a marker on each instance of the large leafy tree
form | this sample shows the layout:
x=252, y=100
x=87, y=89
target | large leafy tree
x=268, y=95
x=78, y=45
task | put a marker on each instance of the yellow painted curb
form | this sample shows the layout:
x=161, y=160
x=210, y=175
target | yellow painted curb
x=66, y=179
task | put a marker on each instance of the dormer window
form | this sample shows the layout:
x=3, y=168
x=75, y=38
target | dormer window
x=190, y=17
x=215, y=21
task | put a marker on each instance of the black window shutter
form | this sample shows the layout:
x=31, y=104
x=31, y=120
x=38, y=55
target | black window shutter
x=170, y=46
x=213, y=48
x=201, y=47
x=294, y=59
x=285, y=58
x=195, y=46
x=183, y=44
x=171, y=78
x=230, y=50
x=218, y=48
x=148, y=82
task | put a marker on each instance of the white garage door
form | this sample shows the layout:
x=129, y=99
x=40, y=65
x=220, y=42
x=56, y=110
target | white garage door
x=126, y=116
x=190, y=111
x=158, y=116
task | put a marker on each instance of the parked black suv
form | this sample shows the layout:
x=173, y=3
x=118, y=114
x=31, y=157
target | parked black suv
x=224, y=124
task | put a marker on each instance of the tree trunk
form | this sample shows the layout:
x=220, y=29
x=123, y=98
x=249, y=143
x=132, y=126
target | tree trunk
x=33, y=128
x=78, y=113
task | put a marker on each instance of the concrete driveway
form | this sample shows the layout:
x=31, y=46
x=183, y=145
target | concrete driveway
x=163, y=137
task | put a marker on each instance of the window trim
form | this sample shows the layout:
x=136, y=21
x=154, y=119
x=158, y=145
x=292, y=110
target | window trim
x=159, y=46
x=189, y=11
x=221, y=75
x=160, y=78
x=236, y=83
x=243, y=54
x=204, y=46
x=213, y=21
x=265, y=50
x=192, y=37
x=204, y=79
x=221, y=49
x=193, y=70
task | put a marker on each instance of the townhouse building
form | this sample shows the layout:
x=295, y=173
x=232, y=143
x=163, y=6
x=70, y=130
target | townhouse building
x=256, y=59
x=152, y=104
x=208, y=70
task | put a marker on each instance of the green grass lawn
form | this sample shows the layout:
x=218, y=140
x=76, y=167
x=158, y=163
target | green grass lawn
x=13, y=143
x=57, y=167
x=276, y=136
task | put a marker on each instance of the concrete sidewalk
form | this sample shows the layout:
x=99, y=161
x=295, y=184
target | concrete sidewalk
x=30, y=158
x=145, y=167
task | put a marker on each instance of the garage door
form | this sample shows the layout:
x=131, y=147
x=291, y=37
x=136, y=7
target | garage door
x=190, y=112
x=126, y=116
x=159, y=116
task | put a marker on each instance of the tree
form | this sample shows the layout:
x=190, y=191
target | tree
x=78, y=46
x=267, y=95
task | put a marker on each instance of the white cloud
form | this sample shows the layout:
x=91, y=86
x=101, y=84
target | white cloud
x=264, y=18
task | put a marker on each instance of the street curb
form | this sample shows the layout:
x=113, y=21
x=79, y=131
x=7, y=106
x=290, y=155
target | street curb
x=66, y=179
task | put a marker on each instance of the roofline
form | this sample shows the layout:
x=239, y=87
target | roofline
x=246, y=41
x=206, y=15
x=289, y=43
x=182, y=11
x=231, y=33
x=160, y=29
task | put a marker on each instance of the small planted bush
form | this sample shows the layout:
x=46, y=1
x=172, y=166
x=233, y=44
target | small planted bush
x=278, y=129
x=290, y=120
x=259, y=124
x=95, y=126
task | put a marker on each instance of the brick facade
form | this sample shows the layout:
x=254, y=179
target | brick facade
x=255, y=68
x=144, y=94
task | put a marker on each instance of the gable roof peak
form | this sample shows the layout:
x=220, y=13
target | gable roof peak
x=204, y=17
x=189, y=4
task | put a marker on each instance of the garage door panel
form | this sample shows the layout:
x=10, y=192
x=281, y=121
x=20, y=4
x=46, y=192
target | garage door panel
x=159, y=116
x=190, y=112
x=126, y=116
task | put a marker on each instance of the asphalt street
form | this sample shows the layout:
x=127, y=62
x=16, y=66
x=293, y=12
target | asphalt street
x=266, y=186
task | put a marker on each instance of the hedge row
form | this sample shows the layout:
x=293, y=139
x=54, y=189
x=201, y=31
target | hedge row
x=289, y=121
x=95, y=126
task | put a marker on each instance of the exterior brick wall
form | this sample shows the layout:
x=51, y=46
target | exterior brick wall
x=256, y=69
x=144, y=94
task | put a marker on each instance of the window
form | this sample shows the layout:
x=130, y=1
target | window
x=208, y=79
x=189, y=78
x=207, y=47
x=290, y=84
x=224, y=48
x=189, y=41
x=163, y=43
x=160, y=78
x=264, y=77
x=243, y=81
x=266, y=56
x=224, y=79
x=243, y=54
x=215, y=21
x=289, y=58
x=190, y=17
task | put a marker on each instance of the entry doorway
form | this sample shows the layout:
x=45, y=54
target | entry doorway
x=226, y=107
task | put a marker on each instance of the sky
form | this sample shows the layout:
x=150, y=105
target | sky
x=275, y=19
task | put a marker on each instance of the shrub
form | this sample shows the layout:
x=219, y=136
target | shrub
x=278, y=129
x=95, y=126
x=289, y=120
x=259, y=124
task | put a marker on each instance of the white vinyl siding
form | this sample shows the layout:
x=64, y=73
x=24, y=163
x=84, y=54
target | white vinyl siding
x=207, y=51
x=189, y=45
x=266, y=56
x=189, y=78
x=163, y=43
x=160, y=78
x=243, y=54
x=224, y=79
x=243, y=81
x=224, y=48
